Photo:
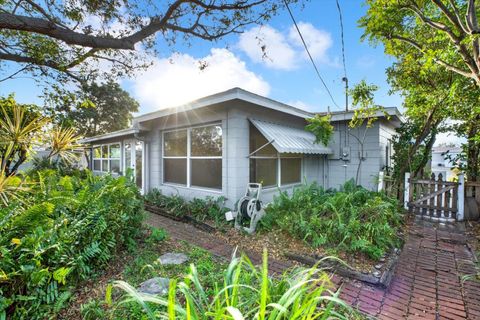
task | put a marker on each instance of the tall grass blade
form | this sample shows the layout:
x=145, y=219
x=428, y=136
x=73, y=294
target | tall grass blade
x=264, y=290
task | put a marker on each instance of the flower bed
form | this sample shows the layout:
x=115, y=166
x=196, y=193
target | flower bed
x=207, y=214
x=352, y=219
x=360, y=227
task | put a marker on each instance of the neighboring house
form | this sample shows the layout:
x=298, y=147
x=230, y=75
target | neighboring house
x=442, y=161
x=42, y=153
x=216, y=145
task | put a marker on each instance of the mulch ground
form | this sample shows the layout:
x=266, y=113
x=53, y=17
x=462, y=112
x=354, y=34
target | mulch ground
x=429, y=282
x=94, y=289
x=278, y=244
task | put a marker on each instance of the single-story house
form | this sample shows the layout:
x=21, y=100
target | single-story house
x=443, y=161
x=216, y=145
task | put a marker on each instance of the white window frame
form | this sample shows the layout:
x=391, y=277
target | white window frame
x=189, y=157
x=132, y=165
x=279, y=158
x=280, y=184
x=103, y=158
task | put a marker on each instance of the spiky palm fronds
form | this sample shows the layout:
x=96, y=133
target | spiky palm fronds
x=20, y=129
x=9, y=184
x=62, y=143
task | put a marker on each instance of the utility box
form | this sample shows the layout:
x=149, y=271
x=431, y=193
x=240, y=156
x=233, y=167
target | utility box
x=345, y=153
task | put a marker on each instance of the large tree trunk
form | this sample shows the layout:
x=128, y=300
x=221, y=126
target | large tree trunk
x=429, y=126
x=473, y=151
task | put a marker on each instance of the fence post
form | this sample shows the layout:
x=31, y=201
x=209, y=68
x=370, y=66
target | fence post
x=406, y=194
x=461, y=197
x=381, y=176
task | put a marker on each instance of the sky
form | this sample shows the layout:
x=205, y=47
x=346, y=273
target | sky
x=283, y=73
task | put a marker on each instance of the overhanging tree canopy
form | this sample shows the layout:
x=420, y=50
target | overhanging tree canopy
x=437, y=45
x=66, y=37
x=445, y=32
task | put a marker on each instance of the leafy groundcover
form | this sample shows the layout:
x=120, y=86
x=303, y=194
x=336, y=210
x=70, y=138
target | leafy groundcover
x=58, y=230
x=351, y=219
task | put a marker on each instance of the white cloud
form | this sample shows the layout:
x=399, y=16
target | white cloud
x=179, y=79
x=448, y=138
x=304, y=106
x=285, y=50
x=366, y=62
x=318, y=41
x=277, y=53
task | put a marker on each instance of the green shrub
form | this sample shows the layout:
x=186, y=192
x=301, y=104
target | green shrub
x=64, y=230
x=209, y=208
x=59, y=165
x=157, y=235
x=352, y=219
x=247, y=292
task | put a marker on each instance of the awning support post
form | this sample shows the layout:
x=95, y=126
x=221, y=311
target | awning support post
x=266, y=144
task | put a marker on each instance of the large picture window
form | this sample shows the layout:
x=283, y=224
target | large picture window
x=193, y=157
x=106, y=158
x=269, y=167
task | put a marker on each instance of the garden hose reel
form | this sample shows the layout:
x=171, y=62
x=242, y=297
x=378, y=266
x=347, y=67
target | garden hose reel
x=249, y=209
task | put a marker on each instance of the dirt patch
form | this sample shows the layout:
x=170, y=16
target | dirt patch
x=94, y=289
x=279, y=245
x=473, y=236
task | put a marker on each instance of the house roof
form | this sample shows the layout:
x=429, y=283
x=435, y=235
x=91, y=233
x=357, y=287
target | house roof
x=232, y=94
x=443, y=149
x=229, y=95
x=290, y=140
x=396, y=117
x=114, y=134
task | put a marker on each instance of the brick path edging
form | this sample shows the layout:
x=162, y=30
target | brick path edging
x=427, y=283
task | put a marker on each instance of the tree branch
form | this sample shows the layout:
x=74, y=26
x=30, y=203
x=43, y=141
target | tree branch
x=471, y=18
x=53, y=29
x=29, y=60
x=456, y=12
x=50, y=29
x=448, y=66
x=451, y=16
x=15, y=73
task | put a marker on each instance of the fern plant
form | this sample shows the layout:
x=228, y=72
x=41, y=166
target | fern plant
x=351, y=219
x=64, y=230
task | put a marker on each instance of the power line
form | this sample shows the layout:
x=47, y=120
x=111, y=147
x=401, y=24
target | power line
x=341, y=36
x=345, y=78
x=309, y=55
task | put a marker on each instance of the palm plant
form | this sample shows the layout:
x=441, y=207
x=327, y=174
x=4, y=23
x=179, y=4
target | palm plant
x=9, y=184
x=63, y=142
x=20, y=128
x=247, y=293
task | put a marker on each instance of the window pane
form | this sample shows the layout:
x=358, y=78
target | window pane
x=175, y=143
x=127, y=156
x=263, y=171
x=139, y=164
x=115, y=166
x=175, y=171
x=257, y=140
x=206, y=173
x=97, y=153
x=96, y=165
x=105, y=165
x=291, y=170
x=115, y=151
x=104, y=151
x=206, y=141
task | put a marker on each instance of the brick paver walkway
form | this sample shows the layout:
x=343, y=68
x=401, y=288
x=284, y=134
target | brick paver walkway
x=427, y=283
